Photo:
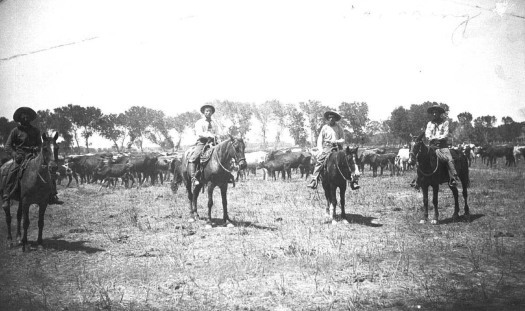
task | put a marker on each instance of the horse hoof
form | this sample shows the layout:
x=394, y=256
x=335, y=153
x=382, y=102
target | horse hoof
x=455, y=217
x=334, y=222
x=230, y=225
x=422, y=221
x=434, y=222
x=344, y=221
x=208, y=226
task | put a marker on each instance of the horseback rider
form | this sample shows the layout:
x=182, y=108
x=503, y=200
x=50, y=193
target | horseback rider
x=437, y=132
x=23, y=142
x=330, y=137
x=207, y=131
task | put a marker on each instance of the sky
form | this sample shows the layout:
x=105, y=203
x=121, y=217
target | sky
x=175, y=56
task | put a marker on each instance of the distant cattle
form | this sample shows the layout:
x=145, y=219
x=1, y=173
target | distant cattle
x=382, y=161
x=110, y=173
x=284, y=163
x=162, y=168
x=494, y=152
x=401, y=161
x=254, y=161
x=84, y=166
x=144, y=167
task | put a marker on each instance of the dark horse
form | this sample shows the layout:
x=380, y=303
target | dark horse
x=340, y=167
x=217, y=172
x=432, y=172
x=35, y=188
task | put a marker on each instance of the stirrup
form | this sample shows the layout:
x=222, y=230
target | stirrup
x=312, y=184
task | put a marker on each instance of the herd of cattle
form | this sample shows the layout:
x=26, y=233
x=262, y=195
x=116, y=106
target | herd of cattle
x=137, y=168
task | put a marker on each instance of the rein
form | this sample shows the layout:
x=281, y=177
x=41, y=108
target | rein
x=420, y=170
x=219, y=160
x=340, y=172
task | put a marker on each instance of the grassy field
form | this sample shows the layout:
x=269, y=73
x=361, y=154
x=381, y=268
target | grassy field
x=133, y=249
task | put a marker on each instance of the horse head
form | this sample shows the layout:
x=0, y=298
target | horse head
x=415, y=148
x=353, y=160
x=239, y=147
x=49, y=152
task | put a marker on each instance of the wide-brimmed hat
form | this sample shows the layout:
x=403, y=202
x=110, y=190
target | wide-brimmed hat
x=30, y=112
x=437, y=108
x=329, y=112
x=208, y=106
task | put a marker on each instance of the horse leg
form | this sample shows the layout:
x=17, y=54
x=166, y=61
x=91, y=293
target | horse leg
x=328, y=200
x=19, y=214
x=193, y=196
x=455, y=216
x=25, y=211
x=465, y=198
x=333, y=199
x=41, y=212
x=211, y=187
x=7, y=210
x=435, y=192
x=424, y=189
x=225, y=217
x=342, y=191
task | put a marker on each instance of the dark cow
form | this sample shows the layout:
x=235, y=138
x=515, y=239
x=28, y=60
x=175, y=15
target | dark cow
x=144, y=166
x=494, y=152
x=285, y=162
x=111, y=172
x=84, y=166
x=382, y=161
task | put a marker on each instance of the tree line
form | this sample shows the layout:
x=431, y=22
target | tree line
x=303, y=121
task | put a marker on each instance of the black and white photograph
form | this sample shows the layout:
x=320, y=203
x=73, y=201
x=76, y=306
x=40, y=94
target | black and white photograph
x=262, y=155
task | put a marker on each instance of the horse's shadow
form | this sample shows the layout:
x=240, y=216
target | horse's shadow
x=462, y=218
x=76, y=246
x=361, y=220
x=219, y=222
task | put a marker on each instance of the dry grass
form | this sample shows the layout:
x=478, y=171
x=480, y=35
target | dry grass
x=134, y=250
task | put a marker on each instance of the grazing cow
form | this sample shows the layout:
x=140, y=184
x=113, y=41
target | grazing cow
x=144, y=166
x=84, y=166
x=365, y=157
x=494, y=152
x=306, y=165
x=382, y=160
x=162, y=168
x=517, y=152
x=401, y=161
x=284, y=162
x=111, y=172
x=254, y=161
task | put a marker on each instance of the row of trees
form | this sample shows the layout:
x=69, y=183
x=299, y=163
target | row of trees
x=77, y=124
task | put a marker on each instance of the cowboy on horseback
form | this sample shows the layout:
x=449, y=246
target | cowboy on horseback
x=330, y=137
x=23, y=142
x=207, y=131
x=437, y=132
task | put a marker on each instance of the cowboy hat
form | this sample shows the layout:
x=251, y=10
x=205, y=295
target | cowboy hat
x=437, y=108
x=208, y=106
x=337, y=116
x=30, y=112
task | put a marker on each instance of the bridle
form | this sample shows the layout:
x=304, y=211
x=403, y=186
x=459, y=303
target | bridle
x=347, y=164
x=415, y=156
x=238, y=160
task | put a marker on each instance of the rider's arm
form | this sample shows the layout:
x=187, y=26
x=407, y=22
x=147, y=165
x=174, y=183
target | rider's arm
x=320, y=139
x=9, y=144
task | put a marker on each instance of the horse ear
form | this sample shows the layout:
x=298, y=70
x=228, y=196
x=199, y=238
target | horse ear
x=44, y=136
x=420, y=137
x=56, y=136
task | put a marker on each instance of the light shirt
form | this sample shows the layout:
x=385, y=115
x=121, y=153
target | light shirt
x=205, y=129
x=436, y=131
x=328, y=134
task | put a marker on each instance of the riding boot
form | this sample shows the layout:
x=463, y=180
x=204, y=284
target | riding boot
x=192, y=170
x=453, y=174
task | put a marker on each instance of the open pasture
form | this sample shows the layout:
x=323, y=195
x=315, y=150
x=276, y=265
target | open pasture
x=133, y=249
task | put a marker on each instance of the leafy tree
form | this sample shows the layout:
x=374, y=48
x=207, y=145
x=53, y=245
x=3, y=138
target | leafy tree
x=89, y=123
x=84, y=121
x=483, y=128
x=314, y=114
x=158, y=131
x=138, y=120
x=111, y=127
x=295, y=125
x=263, y=113
x=181, y=122
x=6, y=127
x=279, y=113
x=355, y=117
x=51, y=122
x=464, y=130
x=399, y=123
x=237, y=115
